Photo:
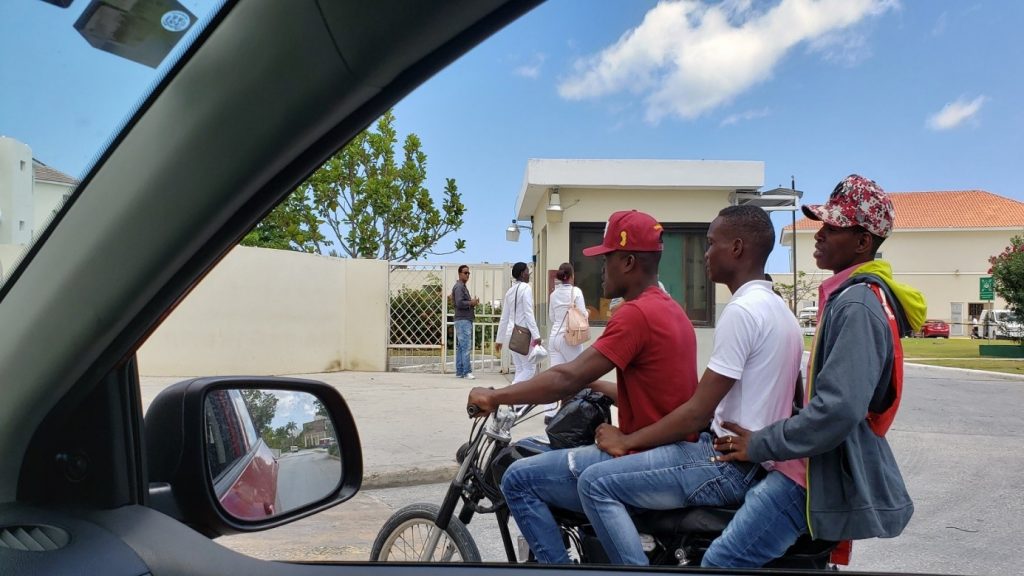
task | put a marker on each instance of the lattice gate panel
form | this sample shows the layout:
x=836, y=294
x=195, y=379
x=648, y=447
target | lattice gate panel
x=417, y=308
x=421, y=326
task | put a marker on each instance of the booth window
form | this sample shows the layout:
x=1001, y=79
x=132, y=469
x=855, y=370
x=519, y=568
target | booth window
x=682, y=270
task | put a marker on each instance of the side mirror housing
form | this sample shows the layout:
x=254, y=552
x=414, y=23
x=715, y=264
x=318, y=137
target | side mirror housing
x=224, y=453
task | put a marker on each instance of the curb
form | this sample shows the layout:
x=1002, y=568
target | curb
x=410, y=477
x=970, y=372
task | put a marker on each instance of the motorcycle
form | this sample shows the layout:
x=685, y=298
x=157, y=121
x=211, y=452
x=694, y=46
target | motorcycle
x=425, y=532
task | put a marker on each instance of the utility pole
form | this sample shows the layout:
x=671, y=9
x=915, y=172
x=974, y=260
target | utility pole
x=792, y=186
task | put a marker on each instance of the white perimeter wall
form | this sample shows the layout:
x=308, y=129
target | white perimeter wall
x=268, y=312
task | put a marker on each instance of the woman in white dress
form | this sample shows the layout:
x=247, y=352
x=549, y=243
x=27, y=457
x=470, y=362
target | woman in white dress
x=564, y=296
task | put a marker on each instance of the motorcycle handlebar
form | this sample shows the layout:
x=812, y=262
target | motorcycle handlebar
x=472, y=410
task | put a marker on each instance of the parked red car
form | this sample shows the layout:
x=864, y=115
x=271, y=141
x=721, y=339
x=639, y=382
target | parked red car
x=935, y=329
x=243, y=467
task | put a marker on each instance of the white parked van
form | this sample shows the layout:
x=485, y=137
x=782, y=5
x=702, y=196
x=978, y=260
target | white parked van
x=808, y=316
x=1000, y=324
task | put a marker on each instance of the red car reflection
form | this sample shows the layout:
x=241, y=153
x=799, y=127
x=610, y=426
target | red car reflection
x=242, y=466
x=935, y=329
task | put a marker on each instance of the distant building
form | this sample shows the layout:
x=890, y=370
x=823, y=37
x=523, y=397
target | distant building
x=319, y=429
x=30, y=193
x=940, y=244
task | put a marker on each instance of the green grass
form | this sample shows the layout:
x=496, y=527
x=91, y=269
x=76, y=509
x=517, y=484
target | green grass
x=954, y=353
x=947, y=348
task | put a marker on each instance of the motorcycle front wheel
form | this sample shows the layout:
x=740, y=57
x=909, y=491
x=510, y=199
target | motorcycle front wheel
x=406, y=534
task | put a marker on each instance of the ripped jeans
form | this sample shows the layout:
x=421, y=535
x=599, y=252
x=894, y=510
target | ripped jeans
x=533, y=483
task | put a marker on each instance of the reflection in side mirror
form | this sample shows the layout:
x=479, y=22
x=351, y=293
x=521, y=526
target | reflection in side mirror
x=269, y=451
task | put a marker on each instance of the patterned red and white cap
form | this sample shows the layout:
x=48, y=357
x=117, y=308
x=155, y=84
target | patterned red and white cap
x=856, y=201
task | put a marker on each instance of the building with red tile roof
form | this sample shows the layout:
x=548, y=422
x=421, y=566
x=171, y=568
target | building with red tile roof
x=940, y=244
x=958, y=209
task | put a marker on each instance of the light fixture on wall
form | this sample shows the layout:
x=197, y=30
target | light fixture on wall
x=554, y=209
x=512, y=232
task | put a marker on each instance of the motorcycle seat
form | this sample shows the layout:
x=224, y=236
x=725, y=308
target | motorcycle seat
x=684, y=520
x=711, y=521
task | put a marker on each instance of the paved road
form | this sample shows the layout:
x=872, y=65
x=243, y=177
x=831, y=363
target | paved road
x=958, y=439
x=306, y=476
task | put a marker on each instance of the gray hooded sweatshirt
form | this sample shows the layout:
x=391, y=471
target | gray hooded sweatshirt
x=854, y=487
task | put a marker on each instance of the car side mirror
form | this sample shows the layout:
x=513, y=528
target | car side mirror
x=240, y=454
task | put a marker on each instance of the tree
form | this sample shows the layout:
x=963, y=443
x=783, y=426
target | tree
x=292, y=225
x=282, y=437
x=373, y=206
x=262, y=407
x=806, y=288
x=291, y=428
x=1008, y=274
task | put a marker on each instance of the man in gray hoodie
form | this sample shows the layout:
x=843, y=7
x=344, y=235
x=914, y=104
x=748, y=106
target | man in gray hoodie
x=834, y=476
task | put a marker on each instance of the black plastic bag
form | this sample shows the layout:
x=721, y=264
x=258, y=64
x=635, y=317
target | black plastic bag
x=576, y=422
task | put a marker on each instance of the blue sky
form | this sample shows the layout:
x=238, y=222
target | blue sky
x=918, y=95
x=298, y=407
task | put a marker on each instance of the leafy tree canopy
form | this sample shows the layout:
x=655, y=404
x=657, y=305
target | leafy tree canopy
x=806, y=287
x=373, y=204
x=262, y=407
x=1008, y=274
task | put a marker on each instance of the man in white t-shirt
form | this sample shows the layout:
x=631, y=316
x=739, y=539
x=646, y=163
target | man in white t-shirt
x=750, y=378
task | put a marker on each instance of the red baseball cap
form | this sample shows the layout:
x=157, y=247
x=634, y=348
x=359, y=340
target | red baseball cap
x=629, y=231
x=856, y=201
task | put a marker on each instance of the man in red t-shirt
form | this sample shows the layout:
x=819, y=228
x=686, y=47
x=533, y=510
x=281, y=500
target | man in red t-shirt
x=650, y=344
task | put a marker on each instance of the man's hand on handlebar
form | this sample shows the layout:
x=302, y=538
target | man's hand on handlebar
x=611, y=440
x=483, y=399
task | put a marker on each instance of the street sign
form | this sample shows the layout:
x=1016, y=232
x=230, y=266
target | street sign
x=985, y=290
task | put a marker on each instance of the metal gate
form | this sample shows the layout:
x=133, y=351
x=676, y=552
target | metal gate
x=421, y=329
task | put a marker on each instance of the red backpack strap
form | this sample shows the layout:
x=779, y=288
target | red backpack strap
x=880, y=422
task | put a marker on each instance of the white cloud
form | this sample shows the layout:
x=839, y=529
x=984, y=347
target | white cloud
x=940, y=25
x=298, y=407
x=687, y=57
x=734, y=119
x=531, y=69
x=955, y=113
x=846, y=48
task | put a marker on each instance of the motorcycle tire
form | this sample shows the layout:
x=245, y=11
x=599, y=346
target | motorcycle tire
x=404, y=534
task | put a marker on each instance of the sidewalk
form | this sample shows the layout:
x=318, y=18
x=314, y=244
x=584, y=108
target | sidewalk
x=384, y=404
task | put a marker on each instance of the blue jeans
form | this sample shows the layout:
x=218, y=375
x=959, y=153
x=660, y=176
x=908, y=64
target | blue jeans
x=769, y=522
x=533, y=484
x=674, y=476
x=463, y=343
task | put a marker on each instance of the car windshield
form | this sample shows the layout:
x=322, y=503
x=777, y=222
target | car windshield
x=73, y=73
x=510, y=161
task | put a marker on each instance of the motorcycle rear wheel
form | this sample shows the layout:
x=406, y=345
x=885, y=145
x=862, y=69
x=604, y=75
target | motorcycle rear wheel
x=405, y=534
